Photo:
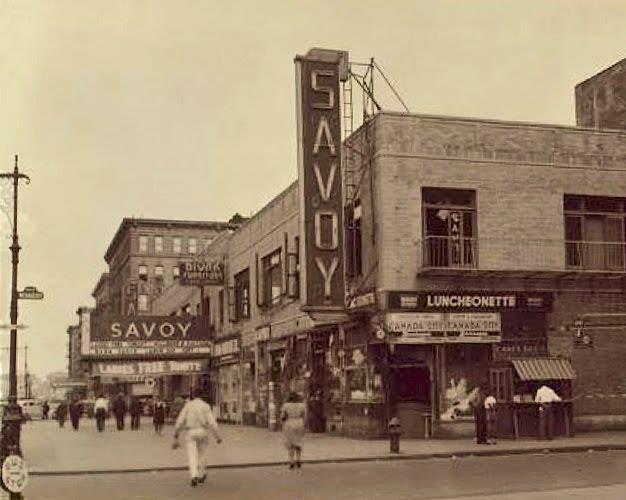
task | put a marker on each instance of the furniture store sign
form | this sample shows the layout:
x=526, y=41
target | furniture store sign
x=201, y=273
x=147, y=336
x=443, y=327
x=469, y=301
x=319, y=176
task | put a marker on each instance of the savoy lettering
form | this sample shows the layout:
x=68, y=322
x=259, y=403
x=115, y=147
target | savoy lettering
x=147, y=330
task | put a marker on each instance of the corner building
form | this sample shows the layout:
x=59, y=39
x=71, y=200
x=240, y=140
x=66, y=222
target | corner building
x=484, y=252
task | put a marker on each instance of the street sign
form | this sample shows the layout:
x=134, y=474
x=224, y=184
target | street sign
x=30, y=293
x=14, y=473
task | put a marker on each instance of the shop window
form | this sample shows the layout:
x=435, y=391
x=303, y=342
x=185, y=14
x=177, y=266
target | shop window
x=175, y=272
x=177, y=245
x=143, y=244
x=466, y=369
x=242, y=295
x=142, y=302
x=449, y=227
x=158, y=244
x=356, y=384
x=192, y=244
x=595, y=232
x=158, y=271
x=272, y=278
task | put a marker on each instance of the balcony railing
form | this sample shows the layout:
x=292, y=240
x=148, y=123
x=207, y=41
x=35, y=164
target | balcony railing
x=496, y=254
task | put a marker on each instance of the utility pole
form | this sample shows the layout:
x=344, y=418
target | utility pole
x=12, y=418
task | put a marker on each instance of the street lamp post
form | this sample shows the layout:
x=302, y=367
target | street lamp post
x=12, y=418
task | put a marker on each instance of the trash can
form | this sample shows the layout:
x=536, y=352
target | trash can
x=394, y=435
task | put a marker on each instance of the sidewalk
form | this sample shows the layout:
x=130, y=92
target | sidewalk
x=50, y=450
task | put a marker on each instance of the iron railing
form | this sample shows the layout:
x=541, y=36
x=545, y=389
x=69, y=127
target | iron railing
x=447, y=252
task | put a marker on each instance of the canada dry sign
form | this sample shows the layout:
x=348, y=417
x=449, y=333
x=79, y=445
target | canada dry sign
x=138, y=336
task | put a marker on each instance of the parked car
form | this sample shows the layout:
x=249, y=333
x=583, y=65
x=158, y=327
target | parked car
x=31, y=408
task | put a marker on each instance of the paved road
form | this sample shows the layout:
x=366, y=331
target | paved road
x=533, y=477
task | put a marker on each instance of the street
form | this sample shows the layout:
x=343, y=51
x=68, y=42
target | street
x=545, y=476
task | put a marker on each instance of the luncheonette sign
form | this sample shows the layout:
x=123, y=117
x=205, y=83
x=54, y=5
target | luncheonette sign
x=469, y=301
x=443, y=327
x=205, y=272
x=319, y=176
x=147, y=336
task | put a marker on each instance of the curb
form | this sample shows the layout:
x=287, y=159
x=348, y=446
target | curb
x=372, y=458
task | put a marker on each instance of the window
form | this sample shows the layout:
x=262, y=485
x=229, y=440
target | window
x=293, y=271
x=193, y=245
x=353, y=240
x=272, y=278
x=207, y=242
x=594, y=232
x=143, y=244
x=158, y=271
x=220, y=300
x=242, y=295
x=143, y=272
x=177, y=245
x=175, y=272
x=142, y=302
x=449, y=227
x=158, y=244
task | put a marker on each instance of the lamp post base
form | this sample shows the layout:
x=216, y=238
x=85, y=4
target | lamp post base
x=11, y=429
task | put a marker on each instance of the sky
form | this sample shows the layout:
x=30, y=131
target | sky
x=185, y=109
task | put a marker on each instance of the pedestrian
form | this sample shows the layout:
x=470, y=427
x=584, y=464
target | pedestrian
x=135, y=413
x=158, y=416
x=293, y=416
x=61, y=413
x=480, y=416
x=75, y=411
x=492, y=418
x=545, y=396
x=45, y=408
x=119, y=410
x=100, y=407
x=197, y=418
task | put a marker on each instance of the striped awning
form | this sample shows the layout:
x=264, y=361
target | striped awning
x=544, y=369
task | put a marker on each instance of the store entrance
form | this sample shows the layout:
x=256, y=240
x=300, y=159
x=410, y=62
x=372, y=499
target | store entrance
x=411, y=392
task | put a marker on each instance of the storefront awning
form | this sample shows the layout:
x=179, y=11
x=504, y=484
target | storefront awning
x=543, y=369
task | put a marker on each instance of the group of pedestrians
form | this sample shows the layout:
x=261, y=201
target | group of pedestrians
x=101, y=410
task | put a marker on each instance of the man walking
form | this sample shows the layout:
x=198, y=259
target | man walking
x=135, y=413
x=197, y=418
x=100, y=408
x=119, y=409
x=75, y=411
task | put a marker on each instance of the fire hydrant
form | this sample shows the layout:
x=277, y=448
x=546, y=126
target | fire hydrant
x=394, y=435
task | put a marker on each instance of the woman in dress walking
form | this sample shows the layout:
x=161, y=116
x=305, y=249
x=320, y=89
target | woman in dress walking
x=293, y=417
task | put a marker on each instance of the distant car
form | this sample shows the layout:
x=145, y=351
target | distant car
x=87, y=406
x=31, y=408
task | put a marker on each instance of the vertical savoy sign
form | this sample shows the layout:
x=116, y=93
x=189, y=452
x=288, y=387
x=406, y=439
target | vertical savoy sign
x=319, y=177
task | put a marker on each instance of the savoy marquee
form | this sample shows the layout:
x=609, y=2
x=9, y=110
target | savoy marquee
x=147, y=336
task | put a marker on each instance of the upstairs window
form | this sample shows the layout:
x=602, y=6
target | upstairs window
x=272, y=278
x=177, y=245
x=158, y=244
x=143, y=244
x=143, y=272
x=242, y=295
x=193, y=245
x=449, y=221
x=142, y=302
x=594, y=232
x=158, y=271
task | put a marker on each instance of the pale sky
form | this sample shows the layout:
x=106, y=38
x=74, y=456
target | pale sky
x=185, y=109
